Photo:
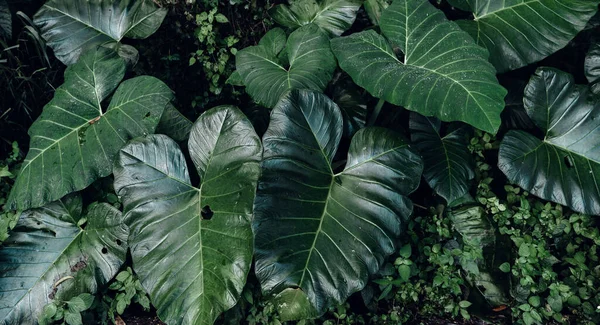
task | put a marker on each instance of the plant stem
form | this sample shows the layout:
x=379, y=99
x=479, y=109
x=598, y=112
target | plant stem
x=375, y=113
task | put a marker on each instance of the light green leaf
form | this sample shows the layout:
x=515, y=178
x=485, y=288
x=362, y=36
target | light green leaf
x=76, y=139
x=235, y=80
x=443, y=72
x=73, y=318
x=47, y=257
x=334, y=16
x=564, y=166
x=520, y=32
x=192, y=245
x=321, y=232
x=311, y=64
x=71, y=28
x=449, y=165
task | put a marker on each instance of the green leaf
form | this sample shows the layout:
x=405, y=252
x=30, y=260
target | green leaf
x=49, y=311
x=48, y=257
x=192, y=245
x=220, y=18
x=174, y=125
x=5, y=20
x=443, y=72
x=405, y=251
x=473, y=225
x=374, y=9
x=235, y=80
x=534, y=301
x=76, y=139
x=76, y=305
x=449, y=164
x=333, y=16
x=73, y=318
x=321, y=232
x=71, y=29
x=563, y=166
x=505, y=267
x=311, y=64
x=592, y=67
x=464, y=304
x=352, y=105
x=555, y=303
x=518, y=32
x=404, y=271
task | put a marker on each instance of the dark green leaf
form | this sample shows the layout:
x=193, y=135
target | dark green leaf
x=334, y=16
x=592, y=67
x=374, y=9
x=563, y=166
x=449, y=165
x=174, y=125
x=518, y=32
x=48, y=257
x=323, y=234
x=75, y=140
x=192, y=245
x=443, y=72
x=473, y=225
x=311, y=65
x=71, y=28
x=73, y=318
x=352, y=105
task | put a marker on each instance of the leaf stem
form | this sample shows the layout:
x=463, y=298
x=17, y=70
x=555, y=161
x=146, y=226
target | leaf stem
x=376, y=112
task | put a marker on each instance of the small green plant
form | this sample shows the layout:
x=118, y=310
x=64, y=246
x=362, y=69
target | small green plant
x=66, y=312
x=214, y=49
x=124, y=290
x=8, y=167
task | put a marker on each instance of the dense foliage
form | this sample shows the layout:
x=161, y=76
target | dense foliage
x=313, y=161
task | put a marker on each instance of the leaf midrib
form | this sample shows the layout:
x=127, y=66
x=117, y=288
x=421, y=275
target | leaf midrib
x=495, y=13
x=470, y=95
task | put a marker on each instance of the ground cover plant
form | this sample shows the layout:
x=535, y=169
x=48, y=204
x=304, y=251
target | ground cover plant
x=336, y=162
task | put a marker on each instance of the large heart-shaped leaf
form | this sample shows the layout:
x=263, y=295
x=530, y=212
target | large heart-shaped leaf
x=443, y=72
x=334, y=16
x=449, y=165
x=75, y=140
x=320, y=235
x=49, y=257
x=520, y=32
x=72, y=27
x=263, y=68
x=564, y=166
x=192, y=245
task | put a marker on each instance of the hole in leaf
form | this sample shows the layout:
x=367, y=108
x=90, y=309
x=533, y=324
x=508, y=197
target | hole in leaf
x=104, y=250
x=118, y=242
x=147, y=114
x=569, y=161
x=206, y=213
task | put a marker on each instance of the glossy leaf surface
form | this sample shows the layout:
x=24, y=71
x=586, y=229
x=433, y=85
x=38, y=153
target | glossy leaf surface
x=76, y=138
x=192, y=245
x=334, y=16
x=564, y=167
x=320, y=235
x=72, y=27
x=443, y=72
x=520, y=32
x=449, y=165
x=307, y=63
x=49, y=257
